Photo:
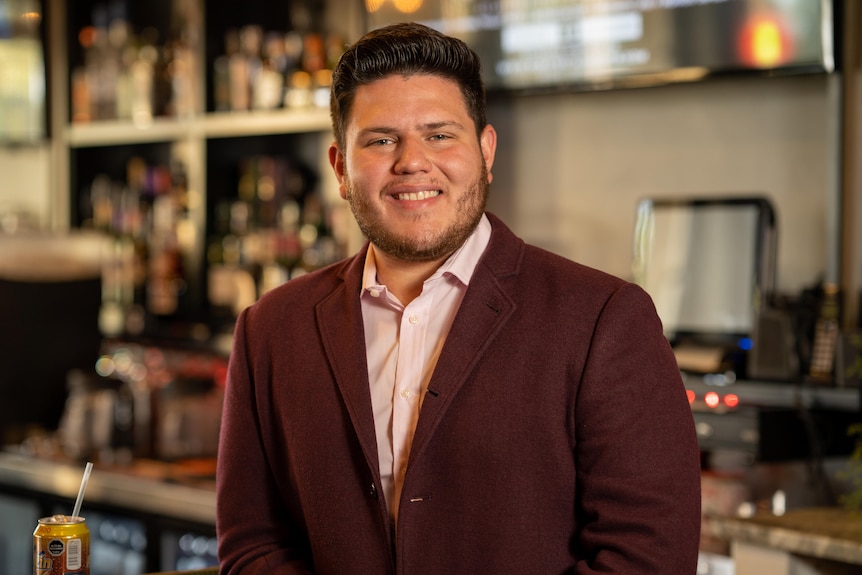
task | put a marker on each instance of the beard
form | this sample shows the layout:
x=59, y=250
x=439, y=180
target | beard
x=428, y=246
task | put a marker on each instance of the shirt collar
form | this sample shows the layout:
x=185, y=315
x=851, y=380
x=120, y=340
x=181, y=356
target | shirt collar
x=460, y=264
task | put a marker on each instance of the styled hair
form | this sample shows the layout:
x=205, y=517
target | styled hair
x=405, y=49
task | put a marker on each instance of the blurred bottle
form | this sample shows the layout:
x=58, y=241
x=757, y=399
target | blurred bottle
x=142, y=83
x=826, y=333
x=167, y=283
x=239, y=76
x=268, y=89
x=275, y=69
x=136, y=75
x=148, y=248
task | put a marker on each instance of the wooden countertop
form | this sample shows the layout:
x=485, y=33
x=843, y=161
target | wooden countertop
x=183, y=490
x=827, y=533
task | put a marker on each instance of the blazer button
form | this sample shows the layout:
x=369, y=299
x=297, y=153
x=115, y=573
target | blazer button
x=373, y=491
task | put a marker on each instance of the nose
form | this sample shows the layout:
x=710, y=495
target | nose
x=412, y=157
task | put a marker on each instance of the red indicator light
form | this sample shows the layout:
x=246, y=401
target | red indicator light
x=712, y=399
x=731, y=400
x=691, y=396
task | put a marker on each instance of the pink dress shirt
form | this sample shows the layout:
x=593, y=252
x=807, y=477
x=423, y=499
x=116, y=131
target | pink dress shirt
x=403, y=344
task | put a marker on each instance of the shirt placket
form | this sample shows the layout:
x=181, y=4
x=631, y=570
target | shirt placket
x=408, y=382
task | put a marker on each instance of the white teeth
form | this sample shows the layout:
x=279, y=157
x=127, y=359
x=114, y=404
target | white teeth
x=412, y=196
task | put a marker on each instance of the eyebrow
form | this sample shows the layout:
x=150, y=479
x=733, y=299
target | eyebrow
x=444, y=124
x=429, y=126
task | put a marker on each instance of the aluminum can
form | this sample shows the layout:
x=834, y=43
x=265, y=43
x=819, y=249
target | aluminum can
x=61, y=546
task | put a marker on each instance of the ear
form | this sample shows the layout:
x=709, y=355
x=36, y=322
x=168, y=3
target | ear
x=488, y=143
x=336, y=160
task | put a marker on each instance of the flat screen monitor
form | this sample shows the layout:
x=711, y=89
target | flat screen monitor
x=589, y=44
x=708, y=265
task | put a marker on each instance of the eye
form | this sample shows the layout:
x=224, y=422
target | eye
x=439, y=137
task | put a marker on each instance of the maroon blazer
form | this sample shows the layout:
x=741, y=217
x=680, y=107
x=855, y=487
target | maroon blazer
x=555, y=436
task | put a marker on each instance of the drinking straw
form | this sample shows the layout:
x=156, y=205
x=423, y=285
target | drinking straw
x=80, y=498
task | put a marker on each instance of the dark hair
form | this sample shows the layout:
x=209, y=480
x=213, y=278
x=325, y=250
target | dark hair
x=405, y=49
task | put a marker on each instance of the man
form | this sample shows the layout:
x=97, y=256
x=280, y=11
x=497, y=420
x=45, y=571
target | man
x=450, y=400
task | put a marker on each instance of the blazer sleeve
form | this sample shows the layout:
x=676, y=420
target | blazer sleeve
x=637, y=456
x=255, y=533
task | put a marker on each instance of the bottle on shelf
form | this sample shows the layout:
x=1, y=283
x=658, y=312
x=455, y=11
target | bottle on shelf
x=137, y=75
x=268, y=69
x=826, y=334
x=141, y=81
x=138, y=65
x=148, y=245
x=274, y=229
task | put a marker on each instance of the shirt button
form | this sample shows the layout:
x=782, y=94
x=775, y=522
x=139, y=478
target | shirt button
x=406, y=393
x=414, y=319
x=375, y=292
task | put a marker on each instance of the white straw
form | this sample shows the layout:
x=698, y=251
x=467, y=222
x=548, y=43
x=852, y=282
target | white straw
x=80, y=498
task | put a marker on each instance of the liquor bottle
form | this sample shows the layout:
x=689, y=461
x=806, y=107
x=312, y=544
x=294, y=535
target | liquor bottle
x=826, y=333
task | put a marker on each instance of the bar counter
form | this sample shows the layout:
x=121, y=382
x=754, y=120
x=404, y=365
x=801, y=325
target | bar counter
x=815, y=540
x=183, y=491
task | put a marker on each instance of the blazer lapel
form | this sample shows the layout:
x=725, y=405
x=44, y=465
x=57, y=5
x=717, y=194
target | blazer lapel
x=483, y=313
x=339, y=317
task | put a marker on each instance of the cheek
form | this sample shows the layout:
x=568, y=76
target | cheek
x=365, y=166
x=458, y=167
x=369, y=175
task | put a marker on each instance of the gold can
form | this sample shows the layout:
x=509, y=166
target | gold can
x=61, y=546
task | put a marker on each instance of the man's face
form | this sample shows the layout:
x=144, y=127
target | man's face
x=414, y=172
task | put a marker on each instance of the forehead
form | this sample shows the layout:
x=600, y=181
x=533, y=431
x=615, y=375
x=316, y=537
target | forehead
x=408, y=96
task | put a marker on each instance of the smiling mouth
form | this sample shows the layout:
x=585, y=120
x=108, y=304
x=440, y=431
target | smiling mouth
x=415, y=196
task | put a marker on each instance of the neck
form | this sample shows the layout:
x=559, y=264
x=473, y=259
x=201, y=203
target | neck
x=404, y=279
